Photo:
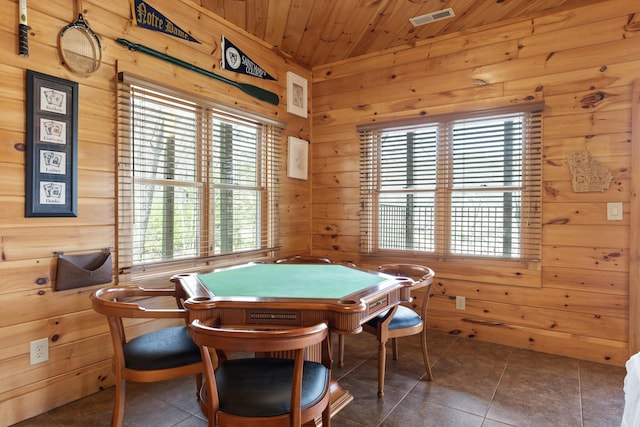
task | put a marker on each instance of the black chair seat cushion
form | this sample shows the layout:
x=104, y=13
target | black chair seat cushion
x=161, y=349
x=261, y=387
x=404, y=318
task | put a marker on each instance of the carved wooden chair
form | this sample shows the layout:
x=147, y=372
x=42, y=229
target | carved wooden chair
x=400, y=321
x=263, y=391
x=303, y=259
x=159, y=355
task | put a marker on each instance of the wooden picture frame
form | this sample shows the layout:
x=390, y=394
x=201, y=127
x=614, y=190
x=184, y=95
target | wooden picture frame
x=297, y=158
x=51, y=146
x=296, y=95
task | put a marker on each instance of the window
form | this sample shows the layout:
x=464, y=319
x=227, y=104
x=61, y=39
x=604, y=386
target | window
x=467, y=187
x=195, y=180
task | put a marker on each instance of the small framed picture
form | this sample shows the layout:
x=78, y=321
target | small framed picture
x=296, y=95
x=298, y=155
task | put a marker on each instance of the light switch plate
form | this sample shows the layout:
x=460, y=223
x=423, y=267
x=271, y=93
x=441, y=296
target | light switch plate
x=614, y=211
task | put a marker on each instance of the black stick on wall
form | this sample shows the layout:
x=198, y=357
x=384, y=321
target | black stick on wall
x=255, y=91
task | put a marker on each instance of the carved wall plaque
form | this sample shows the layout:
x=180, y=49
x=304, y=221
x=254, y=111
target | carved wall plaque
x=588, y=174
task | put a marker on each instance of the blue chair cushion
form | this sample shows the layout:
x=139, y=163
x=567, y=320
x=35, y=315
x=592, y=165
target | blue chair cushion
x=404, y=318
x=162, y=349
x=261, y=387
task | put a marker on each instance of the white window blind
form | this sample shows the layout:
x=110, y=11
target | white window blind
x=454, y=187
x=195, y=181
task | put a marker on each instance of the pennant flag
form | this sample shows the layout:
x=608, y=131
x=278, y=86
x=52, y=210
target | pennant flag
x=233, y=59
x=145, y=16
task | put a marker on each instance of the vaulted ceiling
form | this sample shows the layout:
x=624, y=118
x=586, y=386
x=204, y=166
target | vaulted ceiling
x=316, y=32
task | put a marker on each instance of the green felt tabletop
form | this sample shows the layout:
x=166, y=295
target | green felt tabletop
x=289, y=281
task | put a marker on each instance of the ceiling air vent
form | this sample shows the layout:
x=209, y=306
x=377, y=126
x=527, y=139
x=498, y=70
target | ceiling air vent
x=438, y=15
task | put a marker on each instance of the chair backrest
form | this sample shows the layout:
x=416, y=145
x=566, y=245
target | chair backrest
x=124, y=301
x=119, y=302
x=304, y=259
x=421, y=275
x=260, y=339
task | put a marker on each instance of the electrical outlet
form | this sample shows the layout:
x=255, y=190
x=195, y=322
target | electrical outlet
x=39, y=350
x=460, y=303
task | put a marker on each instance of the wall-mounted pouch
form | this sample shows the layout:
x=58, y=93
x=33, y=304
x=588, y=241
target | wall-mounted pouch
x=76, y=271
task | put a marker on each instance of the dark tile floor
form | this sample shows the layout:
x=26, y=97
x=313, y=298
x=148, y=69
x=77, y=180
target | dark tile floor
x=475, y=384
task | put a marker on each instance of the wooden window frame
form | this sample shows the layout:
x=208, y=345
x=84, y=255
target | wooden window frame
x=371, y=187
x=266, y=183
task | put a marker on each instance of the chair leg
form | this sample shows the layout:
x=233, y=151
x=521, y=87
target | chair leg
x=425, y=355
x=118, y=406
x=341, y=350
x=326, y=416
x=394, y=345
x=205, y=408
x=198, y=386
x=382, y=356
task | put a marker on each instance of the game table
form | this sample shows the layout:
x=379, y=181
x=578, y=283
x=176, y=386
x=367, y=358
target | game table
x=295, y=295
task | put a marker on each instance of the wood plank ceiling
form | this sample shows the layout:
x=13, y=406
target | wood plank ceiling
x=317, y=32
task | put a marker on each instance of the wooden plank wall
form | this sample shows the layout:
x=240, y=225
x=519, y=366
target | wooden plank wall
x=582, y=64
x=80, y=351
